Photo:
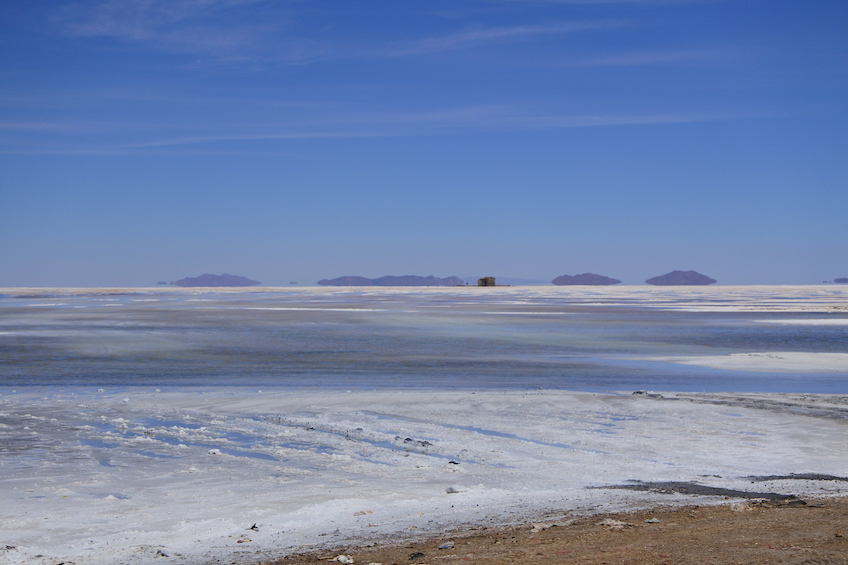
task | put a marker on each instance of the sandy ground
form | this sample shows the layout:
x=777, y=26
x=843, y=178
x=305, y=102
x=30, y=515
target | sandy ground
x=794, y=531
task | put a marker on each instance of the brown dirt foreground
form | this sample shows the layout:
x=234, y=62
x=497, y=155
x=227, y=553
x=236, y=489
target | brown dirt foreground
x=791, y=533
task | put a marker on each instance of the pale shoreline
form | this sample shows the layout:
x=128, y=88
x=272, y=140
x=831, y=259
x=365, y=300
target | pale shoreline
x=766, y=361
x=188, y=471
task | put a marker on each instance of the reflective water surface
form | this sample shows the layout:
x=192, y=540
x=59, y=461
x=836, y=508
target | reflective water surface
x=587, y=338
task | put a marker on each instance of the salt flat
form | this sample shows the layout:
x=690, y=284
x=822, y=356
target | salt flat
x=775, y=361
x=137, y=423
x=720, y=298
x=118, y=475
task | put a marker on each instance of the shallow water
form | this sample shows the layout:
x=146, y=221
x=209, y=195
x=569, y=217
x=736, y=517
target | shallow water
x=593, y=339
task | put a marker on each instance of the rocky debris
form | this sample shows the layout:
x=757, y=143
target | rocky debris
x=540, y=526
x=647, y=393
x=762, y=534
x=615, y=525
x=681, y=278
x=390, y=280
x=741, y=506
x=788, y=502
x=447, y=545
x=653, y=521
x=585, y=279
x=216, y=280
x=344, y=559
x=413, y=442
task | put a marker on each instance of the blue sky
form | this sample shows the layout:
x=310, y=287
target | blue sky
x=148, y=140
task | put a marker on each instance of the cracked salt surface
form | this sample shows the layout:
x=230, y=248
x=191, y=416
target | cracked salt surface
x=86, y=477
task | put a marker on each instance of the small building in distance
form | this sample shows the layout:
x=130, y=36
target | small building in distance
x=486, y=281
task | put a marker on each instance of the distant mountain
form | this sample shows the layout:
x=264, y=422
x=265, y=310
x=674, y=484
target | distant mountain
x=216, y=280
x=681, y=278
x=842, y=280
x=585, y=279
x=405, y=280
x=347, y=281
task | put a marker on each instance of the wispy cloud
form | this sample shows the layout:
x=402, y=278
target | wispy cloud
x=240, y=31
x=480, y=36
x=143, y=19
x=649, y=58
x=635, y=2
x=219, y=28
x=36, y=126
x=602, y=120
x=470, y=119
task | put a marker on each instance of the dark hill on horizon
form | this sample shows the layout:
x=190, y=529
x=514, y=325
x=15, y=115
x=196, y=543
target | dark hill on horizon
x=585, y=279
x=389, y=280
x=216, y=280
x=681, y=278
x=347, y=281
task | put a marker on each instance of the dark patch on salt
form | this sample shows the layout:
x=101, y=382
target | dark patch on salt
x=700, y=490
x=798, y=477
